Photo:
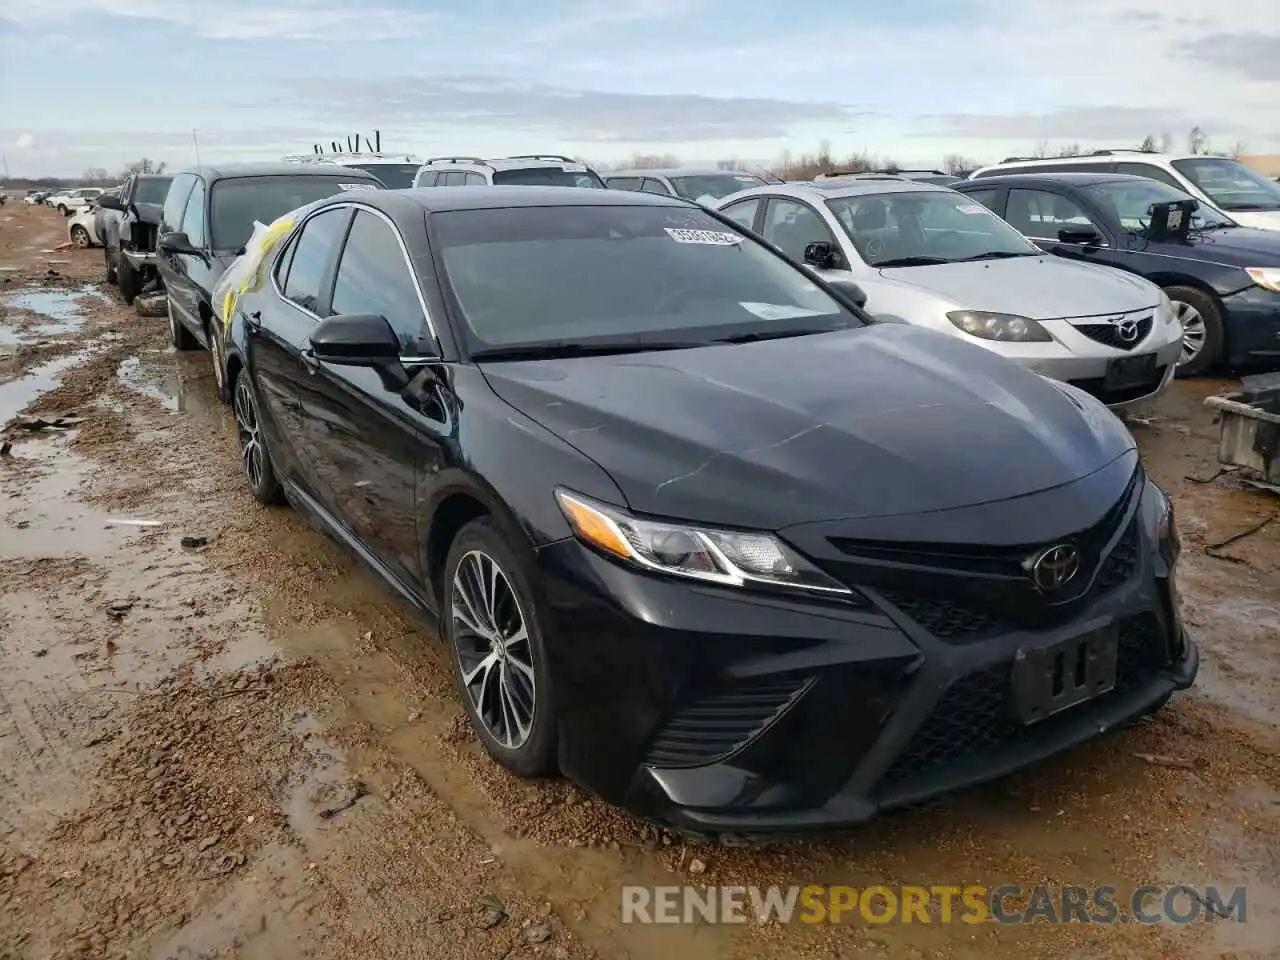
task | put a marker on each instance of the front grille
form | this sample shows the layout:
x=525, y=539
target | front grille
x=1108, y=334
x=974, y=716
x=963, y=594
x=720, y=723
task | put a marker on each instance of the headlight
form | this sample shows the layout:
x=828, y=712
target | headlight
x=1165, y=306
x=1004, y=327
x=1266, y=277
x=1165, y=525
x=729, y=557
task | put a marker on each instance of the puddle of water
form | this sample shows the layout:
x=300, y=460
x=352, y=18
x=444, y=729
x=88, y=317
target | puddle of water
x=131, y=374
x=16, y=394
x=63, y=310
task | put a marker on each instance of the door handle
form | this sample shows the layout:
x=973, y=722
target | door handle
x=309, y=361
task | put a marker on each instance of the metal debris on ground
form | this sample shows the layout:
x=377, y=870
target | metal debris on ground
x=1213, y=549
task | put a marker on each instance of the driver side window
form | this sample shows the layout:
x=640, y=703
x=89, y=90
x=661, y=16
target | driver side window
x=792, y=226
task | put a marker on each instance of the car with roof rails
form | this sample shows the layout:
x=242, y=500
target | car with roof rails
x=1242, y=195
x=536, y=170
x=208, y=216
x=701, y=185
x=532, y=465
x=939, y=177
x=69, y=201
x=1223, y=278
x=394, y=170
x=928, y=256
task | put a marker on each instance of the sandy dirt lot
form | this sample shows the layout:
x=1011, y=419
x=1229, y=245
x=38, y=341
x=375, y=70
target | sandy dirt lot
x=219, y=738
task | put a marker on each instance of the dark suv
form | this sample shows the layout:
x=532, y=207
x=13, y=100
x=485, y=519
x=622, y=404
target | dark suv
x=208, y=217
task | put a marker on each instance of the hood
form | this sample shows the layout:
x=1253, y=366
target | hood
x=1041, y=288
x=1234, y=247
x=881, y=420
x=1256, y=219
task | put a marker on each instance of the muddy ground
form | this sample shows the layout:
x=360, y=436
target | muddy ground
x=219, y=738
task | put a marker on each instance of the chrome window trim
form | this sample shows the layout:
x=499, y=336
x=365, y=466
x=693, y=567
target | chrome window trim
x=404, y=252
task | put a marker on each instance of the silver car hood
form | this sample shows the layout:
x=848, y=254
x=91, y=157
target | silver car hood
x=1041, y=288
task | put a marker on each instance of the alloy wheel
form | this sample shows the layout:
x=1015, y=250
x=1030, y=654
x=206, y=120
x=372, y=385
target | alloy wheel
x=215, y=350
x=248, y=433
x=80, y=236
x=491, y=641
x=1194, y=330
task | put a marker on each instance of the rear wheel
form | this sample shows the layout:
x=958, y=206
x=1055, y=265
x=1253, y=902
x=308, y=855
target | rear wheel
x=62, y=209
x=127, y=279
x=213, y=331
x=254, y=457
x=1202, y=333
x=80, y=237
x=179, y=336
x=109, y=264
x=499, y=661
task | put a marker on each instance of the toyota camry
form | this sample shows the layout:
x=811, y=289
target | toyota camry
x=697, y=532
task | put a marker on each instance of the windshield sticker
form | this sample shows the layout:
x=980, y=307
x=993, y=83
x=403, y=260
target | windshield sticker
x=778, y=311
x=356, y=186
x=710, y=237
x=972, y=208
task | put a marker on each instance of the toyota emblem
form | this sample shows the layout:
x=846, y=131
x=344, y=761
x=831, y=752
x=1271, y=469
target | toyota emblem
x=1127, y=330
x=1054, y=567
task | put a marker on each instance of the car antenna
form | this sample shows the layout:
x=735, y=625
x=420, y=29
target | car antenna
x=357, y=143
x=195, y=141
x=377, y=141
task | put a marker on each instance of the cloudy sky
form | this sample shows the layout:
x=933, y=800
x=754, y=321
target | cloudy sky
x=98, y=83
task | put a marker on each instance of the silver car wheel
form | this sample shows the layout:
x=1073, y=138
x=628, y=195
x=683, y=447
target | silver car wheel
x=491, y=642
x=1194, y=330
x=247, y=430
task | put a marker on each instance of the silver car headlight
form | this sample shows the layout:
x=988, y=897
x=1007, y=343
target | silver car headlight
x=1266, y=277
x=728, y=557
x=1004, y=327
x=1165, y=309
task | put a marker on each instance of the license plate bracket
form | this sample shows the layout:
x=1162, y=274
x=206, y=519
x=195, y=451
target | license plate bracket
x=1048, y=680
x=1124, y=372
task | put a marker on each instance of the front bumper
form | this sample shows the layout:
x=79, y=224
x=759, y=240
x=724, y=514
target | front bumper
x=721, y=713
x=1252, y=321
x=137, y=259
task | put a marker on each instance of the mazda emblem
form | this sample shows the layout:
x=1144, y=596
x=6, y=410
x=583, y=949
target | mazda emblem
x=1127, y=330
x=1054, y=567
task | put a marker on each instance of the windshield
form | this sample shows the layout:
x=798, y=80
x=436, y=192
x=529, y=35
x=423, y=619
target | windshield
x=238, y=202
x=715, y=186
x=1229, y=184
x=918, y=229
x=547, y=177
x=1129, y=200
x=396, y=176
x=152, y=190
x=628, y=277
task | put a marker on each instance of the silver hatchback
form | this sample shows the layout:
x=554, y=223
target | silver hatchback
x=934, y=258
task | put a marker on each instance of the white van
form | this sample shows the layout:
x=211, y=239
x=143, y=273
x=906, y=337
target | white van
x=1248, y=198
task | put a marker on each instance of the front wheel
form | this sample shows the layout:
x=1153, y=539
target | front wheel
x=62, y=209
x=1202, y=331
x=491, y=622
x=254, y=458
x=109, y=265
x=80, y=237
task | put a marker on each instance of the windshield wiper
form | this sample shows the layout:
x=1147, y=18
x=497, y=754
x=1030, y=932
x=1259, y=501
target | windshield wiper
x=568, y=348
x=770, y=335
x=997, y=255
x=913, y=262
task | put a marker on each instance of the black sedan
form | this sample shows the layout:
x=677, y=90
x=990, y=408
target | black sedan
x=698, y=532
x=1223, y=279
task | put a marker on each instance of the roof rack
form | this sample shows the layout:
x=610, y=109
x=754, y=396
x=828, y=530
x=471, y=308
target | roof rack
x=902, y=170
x=542, y=156
x=1076, y=156
x=857, y=174
x=431, y=160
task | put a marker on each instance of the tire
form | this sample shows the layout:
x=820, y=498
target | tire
x=220, y=388
x=109, y=276
x=179, y=336
x=1201, y=321
x=80, y=237
x=127, y=279
x=255, y=460
x=62, y=209
x=517, y=673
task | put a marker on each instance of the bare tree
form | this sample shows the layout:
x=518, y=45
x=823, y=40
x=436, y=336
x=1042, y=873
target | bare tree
x=1148, y=144
x=1041, y=150
x=653, y=161
x=1238, y=151
x=732, y=165
x=1070, y=150
x=145, y=165
x=1197, y=142
x=1166, y=142
x=958, y=165
x=96, y=175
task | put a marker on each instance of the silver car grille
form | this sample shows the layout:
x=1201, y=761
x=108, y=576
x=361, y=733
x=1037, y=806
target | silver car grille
x=1123, y=332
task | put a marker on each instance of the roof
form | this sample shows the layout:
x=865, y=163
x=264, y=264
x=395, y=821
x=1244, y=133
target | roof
x=1103, y=156
x=435, y=200
x=279, y=169
x=1071, y=178
x=682, y=172
x=845, y=187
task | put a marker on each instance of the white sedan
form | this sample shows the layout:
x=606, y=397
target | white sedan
x=82, y=229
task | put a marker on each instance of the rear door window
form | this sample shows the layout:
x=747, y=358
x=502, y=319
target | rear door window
x=651, y=185
x=452, y=178
x=427, y=179
x=625, y=183
x=1151, y=172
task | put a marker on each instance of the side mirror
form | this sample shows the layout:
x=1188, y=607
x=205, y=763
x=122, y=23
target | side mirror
x=1085, y=235
x=850, y=290
x=110, y=202
x=356, y=340
x=177, y=243
x=823, y=255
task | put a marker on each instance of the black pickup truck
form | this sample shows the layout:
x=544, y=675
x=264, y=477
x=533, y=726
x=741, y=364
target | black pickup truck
x=129, y=236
